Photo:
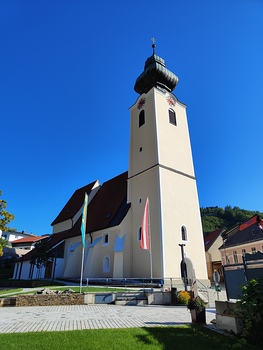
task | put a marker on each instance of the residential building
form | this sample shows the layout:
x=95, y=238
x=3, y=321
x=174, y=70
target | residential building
x=241, y=239
x=11, y=236
x=213, y=240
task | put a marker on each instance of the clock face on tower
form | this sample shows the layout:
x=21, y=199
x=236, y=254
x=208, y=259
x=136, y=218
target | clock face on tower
x=170, y=99
x=141, y=103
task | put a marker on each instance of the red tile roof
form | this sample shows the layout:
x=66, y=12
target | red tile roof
x=210, y=238
x=107, y=209
x=28, y=239
x=249, y=231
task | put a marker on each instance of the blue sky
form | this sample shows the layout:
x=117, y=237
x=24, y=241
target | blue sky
x=67, y=71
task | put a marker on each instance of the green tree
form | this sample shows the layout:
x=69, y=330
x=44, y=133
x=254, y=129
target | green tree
x=5, y=216
x=3, y=244
x=250, y=309
x=42, y=253
x=211, y=223
x=214, y=218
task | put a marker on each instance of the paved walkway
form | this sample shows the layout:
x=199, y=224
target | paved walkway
x=76, y=317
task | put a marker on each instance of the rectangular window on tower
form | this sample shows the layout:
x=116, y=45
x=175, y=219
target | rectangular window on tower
x=105, y=239
x=141, y=118
x=172, y=116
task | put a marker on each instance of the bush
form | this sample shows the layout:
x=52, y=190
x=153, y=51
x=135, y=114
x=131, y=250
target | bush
x=250, y=310
x=196, y=303
x=183, y=297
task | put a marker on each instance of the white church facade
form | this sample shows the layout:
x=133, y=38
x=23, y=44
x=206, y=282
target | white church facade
x=160, y=169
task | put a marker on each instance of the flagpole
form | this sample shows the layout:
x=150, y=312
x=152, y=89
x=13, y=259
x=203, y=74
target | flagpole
x=83, y=236
x=150, y=239
x=81, y=272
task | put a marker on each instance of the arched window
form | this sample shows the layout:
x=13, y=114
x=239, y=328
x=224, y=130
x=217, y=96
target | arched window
x=184, y=233
x=172, y=116
x=141, y=118
x=106, y=264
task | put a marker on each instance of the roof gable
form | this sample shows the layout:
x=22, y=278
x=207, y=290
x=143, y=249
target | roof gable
x=211, y=237
x=74, y=203
x=109, y=206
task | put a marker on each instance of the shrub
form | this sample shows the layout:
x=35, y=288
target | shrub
x=250, y=310
x=183, y=297
x=196, y=303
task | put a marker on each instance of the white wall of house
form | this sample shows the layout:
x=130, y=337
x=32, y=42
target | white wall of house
x=13, y=235
x=214, y=249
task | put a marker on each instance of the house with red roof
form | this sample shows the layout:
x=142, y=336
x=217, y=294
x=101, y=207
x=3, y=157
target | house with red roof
x=160, y=173
x=212, y=241
x=244, y=238
x=22, y=245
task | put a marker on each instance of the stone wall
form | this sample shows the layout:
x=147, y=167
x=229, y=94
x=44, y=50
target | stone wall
x=227, y=317
x=47, y=300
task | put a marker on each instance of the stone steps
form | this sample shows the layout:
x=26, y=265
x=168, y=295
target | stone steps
x=131, y=299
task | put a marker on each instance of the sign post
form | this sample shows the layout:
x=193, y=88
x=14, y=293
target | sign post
x=216, y=278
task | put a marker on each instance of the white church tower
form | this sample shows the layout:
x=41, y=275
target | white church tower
x=161, y=168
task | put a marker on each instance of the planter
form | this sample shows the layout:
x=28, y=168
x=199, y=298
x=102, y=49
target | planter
x=227, y=317
x=198, y=315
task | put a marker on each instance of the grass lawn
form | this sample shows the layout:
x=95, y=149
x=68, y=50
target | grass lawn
x=166, y=338
x=13, y=292
x=4, y=291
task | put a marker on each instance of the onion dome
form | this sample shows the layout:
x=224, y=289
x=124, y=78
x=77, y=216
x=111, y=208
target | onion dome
x=155, y=74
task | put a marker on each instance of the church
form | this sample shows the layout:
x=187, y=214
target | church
x=161, y=173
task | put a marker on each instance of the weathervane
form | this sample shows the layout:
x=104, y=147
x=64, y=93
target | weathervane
x=153, y=44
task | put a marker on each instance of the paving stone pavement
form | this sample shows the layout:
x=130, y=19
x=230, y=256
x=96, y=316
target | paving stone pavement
x=77, y=317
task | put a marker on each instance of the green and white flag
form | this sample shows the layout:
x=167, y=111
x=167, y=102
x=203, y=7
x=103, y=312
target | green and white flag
x=84, y=220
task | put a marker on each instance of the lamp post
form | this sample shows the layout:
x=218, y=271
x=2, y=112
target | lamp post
x=184, y=272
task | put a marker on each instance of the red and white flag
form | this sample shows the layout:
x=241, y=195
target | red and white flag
x=145, y=239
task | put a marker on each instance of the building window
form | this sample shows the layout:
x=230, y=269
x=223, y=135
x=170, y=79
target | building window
x=139, y=234
x=235, y=257
x=141, y=118
x=106, y=264
x=243, y=252
x=183, y=233
x=140, y=149
x=105, y=239
x=172, y=116
x=253, y=250
x=227, y=260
